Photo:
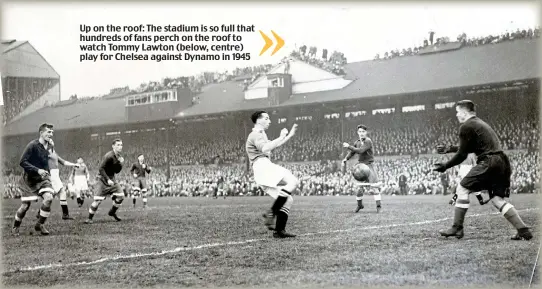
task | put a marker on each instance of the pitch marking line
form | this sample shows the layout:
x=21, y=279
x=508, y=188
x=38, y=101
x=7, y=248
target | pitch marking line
x=213, y=245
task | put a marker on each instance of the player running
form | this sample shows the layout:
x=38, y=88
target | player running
x=110, y=166
x=139, y=185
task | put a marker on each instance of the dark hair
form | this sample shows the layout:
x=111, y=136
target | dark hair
x=257, y=115
x=45, y=126
x=115, y=141
x=139, y=155
x=362, y=126
x=466, y=104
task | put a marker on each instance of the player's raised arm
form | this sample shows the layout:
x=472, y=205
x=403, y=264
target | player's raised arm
x=66, y=163
x=282, y=139
x=365, y=146
x=444, y=149
x=465, y=135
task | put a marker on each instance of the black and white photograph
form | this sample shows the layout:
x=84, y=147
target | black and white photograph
x=272, y=144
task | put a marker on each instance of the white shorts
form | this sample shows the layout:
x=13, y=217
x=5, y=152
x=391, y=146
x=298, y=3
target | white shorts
x=80, y=183
x=55, y=180
x=268, y=174
x=463, y=171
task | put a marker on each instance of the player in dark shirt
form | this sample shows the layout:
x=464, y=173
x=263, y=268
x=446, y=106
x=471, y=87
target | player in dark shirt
x=492, y=171
x=107, y=185
x=35, y=181
x=364, y=148
x=139, y=185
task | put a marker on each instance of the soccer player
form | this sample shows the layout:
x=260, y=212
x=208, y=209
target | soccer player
x=139, y=171
x=268, y=175
x=79, y=177
x=35, y=181
x=364, y=148
x=111, y=164
x=58, y=186
x=492, y=171
x=464, y=169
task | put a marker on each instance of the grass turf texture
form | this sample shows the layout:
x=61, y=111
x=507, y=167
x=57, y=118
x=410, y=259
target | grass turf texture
x=216, y=242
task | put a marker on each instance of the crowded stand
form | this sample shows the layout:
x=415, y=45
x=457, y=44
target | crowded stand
x=20, y=92
x=404, y=143
x=463, y=40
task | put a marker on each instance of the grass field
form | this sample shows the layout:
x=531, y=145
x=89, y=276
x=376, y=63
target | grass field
x=205, y=242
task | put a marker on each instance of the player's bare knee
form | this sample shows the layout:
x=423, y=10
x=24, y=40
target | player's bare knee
x=47, y=197
x=498, y=202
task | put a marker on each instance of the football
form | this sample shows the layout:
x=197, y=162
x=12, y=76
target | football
x=361, y=172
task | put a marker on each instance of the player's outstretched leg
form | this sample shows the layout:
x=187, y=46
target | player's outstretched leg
x=45, y=211
x=461, y=208
x=117, y=201
x=93, y=208
x=359, y=199
x=511, y=215
x=21, y=212
x=64, y=205
x=144, y=196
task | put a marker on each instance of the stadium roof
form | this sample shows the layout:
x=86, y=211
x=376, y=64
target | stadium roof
x=7, y=45
x=465, y=67
x=21, y=59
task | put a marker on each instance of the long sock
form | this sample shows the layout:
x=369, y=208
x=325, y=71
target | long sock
x=144, y=202
x=133, y=201
x=19, y=215
x=459, y=217
x=282, y=219
x=510, y=213
x=45, y=211
x=92, y=210
x=115, y=207
x=277, y=205
x=360, y=203
x=64, y=206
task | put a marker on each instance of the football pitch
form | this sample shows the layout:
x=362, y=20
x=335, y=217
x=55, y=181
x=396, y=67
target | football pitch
x=203, y=242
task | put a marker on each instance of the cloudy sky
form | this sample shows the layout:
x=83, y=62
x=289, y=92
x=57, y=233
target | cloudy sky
x=358, y=30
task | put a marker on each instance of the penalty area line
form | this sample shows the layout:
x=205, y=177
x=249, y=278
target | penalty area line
x=232, y=243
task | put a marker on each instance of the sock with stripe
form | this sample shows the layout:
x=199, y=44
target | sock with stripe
x=92, y=210
x=45, y=211
x=282, y=219
x=510, y=214
x=116, y=205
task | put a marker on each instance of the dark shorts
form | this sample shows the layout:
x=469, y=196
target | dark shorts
x=491, y=173
x=105, y=189
x=32, y=187
x=139, y=183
